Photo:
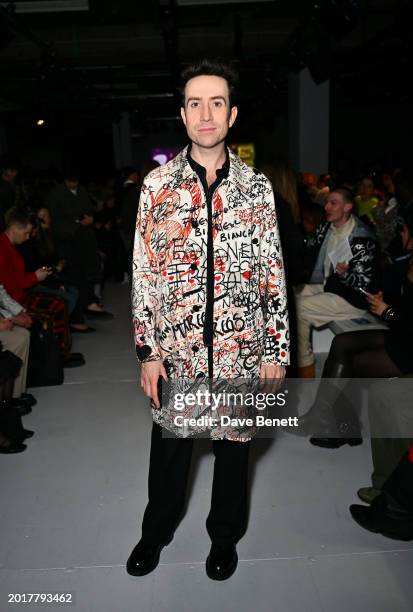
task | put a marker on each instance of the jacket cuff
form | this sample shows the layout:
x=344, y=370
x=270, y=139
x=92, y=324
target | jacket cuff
x=146, y=353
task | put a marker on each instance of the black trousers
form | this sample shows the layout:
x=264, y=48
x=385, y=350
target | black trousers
x=170, y=460
x=362, y=354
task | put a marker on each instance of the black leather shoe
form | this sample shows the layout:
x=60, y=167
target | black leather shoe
x=6, y=448
x=389, y=519
x=335, y=442
x=144, y=558
x=222, y=562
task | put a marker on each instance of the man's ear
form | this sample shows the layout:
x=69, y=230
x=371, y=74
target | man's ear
x=348, y=208
x=232, y=116
x=183, y=115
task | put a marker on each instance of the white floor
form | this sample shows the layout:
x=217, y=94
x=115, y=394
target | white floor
x=72, y=503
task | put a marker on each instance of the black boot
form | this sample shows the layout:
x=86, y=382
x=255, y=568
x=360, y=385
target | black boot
x=332, y=419
x=391, y=513
x=385, y=516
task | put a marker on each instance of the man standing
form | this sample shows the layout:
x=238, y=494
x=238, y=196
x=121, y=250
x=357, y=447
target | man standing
x=208, y=300
x=71, y=211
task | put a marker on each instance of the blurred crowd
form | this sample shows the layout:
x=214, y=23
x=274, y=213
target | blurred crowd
x=60, y=242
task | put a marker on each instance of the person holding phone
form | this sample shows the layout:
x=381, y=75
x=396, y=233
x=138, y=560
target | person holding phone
x=377, y=353
x=340, y=257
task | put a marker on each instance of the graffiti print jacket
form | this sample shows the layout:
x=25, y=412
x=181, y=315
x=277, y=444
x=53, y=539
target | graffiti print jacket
x=177, y=278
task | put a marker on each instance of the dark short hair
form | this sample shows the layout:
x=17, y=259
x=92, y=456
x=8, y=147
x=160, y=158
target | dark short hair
x=211, y=67
x=18, y=216
x=345, y=194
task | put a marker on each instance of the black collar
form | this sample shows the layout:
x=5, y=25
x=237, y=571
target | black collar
x=222, y=173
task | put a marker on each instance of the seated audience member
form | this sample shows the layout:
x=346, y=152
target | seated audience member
x=332, y=291
x=396, y=259
x=15, y=337
x=40, y=251
x=12, y=432
x=307, y=182
x=71, y=212
x=391, y=512
x=377, y=353
x=324, y=186
x=17, y=281
x=13, y=274
x=386, y=219
x=366, y=200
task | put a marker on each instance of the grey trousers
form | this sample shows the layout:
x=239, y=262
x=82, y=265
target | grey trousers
x=390, y=409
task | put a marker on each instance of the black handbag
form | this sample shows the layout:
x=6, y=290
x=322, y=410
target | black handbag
x=45, y=366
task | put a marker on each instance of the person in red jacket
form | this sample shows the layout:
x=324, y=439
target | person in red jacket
x=13, y=275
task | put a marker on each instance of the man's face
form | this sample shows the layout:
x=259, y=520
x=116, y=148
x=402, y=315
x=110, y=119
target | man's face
x=207, y=114
x=44, y=217
x=336, y=210
x=20, y=233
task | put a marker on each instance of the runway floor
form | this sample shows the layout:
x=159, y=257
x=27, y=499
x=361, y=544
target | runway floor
x=72, y=503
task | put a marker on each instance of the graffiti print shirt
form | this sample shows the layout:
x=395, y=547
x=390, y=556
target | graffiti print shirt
x=170, y=272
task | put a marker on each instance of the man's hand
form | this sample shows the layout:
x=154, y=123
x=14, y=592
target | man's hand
x=6, y=324
x=271, y=376
x=150, y=373
x=23, y=319
x=43, y=273
x=87, y=220
x=342, y=267
x=375, y=300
